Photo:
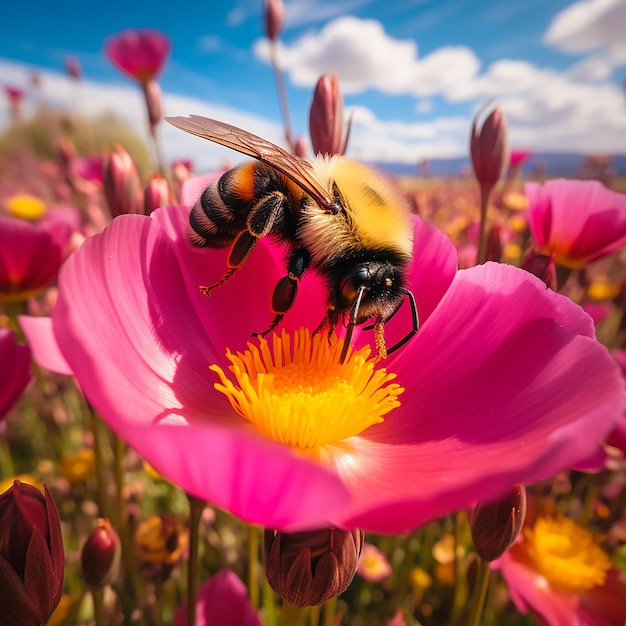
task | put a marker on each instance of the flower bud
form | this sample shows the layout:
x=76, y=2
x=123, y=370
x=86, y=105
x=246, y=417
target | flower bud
x=73, y=67
x=489, y=148
x=156, y=194
x=495, y=526
x=494, y=243
x=100, y=556
x=310, y=568
x=299, y=148
x=274, y=18
x=31, y=555
x=122, y=185
x=542, y=266
x=326, y=117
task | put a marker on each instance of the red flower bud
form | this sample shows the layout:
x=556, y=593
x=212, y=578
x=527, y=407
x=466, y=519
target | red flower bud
x=489, y=148
x=494, y=243
x=274, y=18
x=31, y=556
x=73, y=67
x=122, y=185
x=495, y=526
x=542, y=266
x=326, y=117
x=300, y=147
x=100, y=556
x=309, y=568
x=156, y=194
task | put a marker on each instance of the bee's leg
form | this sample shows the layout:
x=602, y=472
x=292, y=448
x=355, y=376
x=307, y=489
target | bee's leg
x=416, y=322
x=324, y=322
x=286, y=289
x=379, y=340
x=239, y=252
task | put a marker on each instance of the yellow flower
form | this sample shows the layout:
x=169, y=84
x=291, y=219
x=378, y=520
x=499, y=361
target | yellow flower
x=78, y=467
x=26, y=206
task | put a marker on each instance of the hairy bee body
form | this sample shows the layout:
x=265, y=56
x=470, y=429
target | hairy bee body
x=336, y=216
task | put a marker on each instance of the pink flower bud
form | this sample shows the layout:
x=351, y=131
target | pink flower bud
x=73, y=67
x=326, y=117
x=309, y=568
x=122, y=185
x=300, y=147
x=495, y=526
x=31, y=555
x=100, y=556
x=489, y=148
x=156, y=194
x=274, y=18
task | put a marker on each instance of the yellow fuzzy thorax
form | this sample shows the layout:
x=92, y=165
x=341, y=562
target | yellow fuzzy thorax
x=378, y=216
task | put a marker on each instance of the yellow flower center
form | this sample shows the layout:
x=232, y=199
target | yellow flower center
x=25, y=206
x=297, y=393
x=566, y=554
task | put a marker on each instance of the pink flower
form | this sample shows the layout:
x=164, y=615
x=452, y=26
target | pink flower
x=140, y=54
x=30, y=255
x=15, y=370
x=222, y=601
x=519, y=157
x=89, y=168
x=373, y=564
x=503, y=383
x=579, y=221
x=558, y=571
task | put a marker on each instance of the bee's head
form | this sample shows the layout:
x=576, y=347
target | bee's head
x=380, y=286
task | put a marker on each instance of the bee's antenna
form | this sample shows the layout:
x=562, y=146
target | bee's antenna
x=353, y=317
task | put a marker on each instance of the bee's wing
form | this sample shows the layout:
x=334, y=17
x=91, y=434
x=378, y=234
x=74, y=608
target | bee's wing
x=298, y=170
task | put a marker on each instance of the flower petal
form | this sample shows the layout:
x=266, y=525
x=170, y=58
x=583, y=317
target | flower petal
x=43, y=343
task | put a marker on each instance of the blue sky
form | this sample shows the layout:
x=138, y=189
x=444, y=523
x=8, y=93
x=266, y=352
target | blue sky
x=413, y=72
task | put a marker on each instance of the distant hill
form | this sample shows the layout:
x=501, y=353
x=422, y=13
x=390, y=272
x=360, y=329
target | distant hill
x=548, y=164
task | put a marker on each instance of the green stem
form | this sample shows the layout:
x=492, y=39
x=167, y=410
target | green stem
x=314, y=615
x=460, y=586
x=97, y=428
x=485, y=194
x=98, y=607
x=480, y=592
x=282, y=95
x=195, y=514
x=253, y=566
x=123, y=528
x=291, y=615
x=329, y=612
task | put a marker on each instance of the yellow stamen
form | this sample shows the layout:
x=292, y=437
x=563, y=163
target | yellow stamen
x=25, y=206
x=566, y=554
x=297, y=393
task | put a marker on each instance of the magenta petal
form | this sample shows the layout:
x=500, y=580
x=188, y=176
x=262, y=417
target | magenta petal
x=43, y=343
x=222, y=601
x=260, y=481
x=500, y=389
x=127, y=328
x=194, y=186
x=15, y=370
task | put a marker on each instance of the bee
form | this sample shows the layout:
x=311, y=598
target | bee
x=336, y=216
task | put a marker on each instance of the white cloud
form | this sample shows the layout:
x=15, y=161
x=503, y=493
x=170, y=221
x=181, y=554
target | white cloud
x=365, y=57
x=590, y=25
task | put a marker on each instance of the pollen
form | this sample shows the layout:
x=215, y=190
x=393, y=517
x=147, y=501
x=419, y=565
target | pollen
x=566, y=554
x=296, y=392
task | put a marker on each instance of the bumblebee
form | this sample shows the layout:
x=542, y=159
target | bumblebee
x=336, y=216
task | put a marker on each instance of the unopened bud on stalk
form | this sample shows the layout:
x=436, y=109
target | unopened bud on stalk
x=73, y=67
x=495, y=526
x=489, y=148
x=31, y=555
x=274, y=18
x=156, y=194
x=300, y=147
x=122, y=185
x=310, y=568
x=100, y=556
x=542, y=266
x=326, y=117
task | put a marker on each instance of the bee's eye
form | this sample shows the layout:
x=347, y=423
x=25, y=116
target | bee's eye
x=349, y=287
